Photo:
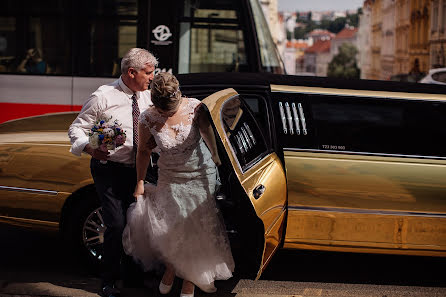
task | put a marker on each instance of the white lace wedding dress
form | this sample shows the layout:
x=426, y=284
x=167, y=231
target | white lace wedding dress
x=177, y=222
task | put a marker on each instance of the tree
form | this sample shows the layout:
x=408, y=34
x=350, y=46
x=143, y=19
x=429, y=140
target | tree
x=344, y=65
x=300, y=32
x=337, y=25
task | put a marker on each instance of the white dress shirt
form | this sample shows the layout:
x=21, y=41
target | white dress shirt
x=112, y=100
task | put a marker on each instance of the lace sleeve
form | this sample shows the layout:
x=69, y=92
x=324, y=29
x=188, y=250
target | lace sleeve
x=144, y=118
x=196, y=109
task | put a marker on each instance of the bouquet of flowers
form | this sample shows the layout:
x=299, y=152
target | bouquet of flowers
x=106, y=135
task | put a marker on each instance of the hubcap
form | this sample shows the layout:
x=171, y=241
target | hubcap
x=93, y=233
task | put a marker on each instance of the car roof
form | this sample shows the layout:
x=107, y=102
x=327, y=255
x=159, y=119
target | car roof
x=264, y=80
x=434, y=70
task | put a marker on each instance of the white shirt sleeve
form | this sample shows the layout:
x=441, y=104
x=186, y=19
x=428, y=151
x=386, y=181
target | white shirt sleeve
x=78, y=131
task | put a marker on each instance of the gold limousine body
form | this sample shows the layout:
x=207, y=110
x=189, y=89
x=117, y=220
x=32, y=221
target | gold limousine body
x=307, y=164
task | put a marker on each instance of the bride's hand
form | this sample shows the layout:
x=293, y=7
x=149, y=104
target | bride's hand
x=216, y=159
x=139, y=189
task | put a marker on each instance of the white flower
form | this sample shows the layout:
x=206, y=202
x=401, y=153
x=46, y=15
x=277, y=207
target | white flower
x=110, y=146
x=94, y=140
x=109, y=132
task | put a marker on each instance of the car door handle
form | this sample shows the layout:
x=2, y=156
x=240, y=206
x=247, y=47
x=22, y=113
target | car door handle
x=258, y=191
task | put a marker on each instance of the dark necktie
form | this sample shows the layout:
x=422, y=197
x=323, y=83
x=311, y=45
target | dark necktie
x=135, y=114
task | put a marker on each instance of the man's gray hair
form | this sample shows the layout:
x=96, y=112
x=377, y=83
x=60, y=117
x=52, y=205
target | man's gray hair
x=137, y=58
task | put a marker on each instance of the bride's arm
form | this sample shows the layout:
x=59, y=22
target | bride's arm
x=208, y=135
x=146, y=144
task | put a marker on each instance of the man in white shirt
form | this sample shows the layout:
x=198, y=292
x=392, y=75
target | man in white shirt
x=115, y=179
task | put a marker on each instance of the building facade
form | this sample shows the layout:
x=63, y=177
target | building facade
x=317, y=57
x=375, y=48
x=437, y=40
x=365, y=40
x=402, y=33
x=419, y=36
x=388, y=39
x=346, y=35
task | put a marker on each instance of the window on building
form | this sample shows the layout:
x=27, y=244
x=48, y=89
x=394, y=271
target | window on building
x=434, y=23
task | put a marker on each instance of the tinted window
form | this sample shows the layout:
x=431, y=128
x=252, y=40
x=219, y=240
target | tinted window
x=259, y=109
x=370, y=125
x=439, y=76
x=245, y=136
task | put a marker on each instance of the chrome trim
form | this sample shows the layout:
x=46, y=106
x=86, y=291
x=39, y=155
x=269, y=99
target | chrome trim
x=362, y=153
x=250, y=133
x=369, y=211
x=282, y=115
x=242, y=138
x=302, y=118
x=289, y=117
x=296, y=118
x=240, y=146
x=245, y=134
x=389, y=94
x=17, y=189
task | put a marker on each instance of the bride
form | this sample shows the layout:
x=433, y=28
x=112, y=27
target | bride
x=176, y=221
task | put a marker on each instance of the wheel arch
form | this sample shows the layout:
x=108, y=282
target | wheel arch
x=70, y=205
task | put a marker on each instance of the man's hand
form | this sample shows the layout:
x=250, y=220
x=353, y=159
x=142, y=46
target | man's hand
x=97, y=153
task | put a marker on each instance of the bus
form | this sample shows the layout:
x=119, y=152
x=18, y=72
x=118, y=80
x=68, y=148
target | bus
x=55, y=53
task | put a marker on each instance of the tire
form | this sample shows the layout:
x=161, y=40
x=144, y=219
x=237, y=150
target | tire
x=84, y=228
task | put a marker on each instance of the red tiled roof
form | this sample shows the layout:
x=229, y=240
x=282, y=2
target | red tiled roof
x=320, y=32
x=346, y=33
x=319, y=46
x=296, y=45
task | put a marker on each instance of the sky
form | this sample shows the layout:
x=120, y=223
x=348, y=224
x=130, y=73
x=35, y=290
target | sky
x=319, y=5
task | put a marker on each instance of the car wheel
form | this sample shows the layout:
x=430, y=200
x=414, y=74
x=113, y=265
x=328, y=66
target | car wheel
x=85, y=228
x=93, y=231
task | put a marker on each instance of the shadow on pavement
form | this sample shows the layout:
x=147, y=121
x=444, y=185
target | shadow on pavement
x=335, y=267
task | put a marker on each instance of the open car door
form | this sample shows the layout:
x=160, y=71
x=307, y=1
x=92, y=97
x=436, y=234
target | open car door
x=255, y=164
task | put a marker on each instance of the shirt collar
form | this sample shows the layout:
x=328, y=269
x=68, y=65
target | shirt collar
x=126, y=89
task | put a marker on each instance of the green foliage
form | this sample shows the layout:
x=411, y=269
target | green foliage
x=344, y=65
x=300, y=32
x=337, y=25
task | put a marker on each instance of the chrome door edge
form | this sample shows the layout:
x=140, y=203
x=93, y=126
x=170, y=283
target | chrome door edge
x=362, y=153
x=17, y=189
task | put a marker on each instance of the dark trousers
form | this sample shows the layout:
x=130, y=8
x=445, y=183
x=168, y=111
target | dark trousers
x=115, y=184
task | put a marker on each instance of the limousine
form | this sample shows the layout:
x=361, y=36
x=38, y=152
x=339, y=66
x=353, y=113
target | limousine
x=307, y=163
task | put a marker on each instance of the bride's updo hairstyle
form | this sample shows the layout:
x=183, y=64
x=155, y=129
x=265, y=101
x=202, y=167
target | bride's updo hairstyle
x=165, y=91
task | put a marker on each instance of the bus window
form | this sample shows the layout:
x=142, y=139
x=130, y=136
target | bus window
x=211, y=38
x=80, y=38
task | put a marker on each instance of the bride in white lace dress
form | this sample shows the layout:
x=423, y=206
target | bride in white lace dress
x=176, y=221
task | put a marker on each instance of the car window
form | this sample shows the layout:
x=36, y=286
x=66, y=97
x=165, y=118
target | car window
x=257, y=105
x=244, y=134
x=440, y=76
x=367, y=125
